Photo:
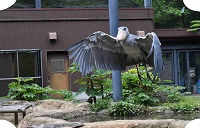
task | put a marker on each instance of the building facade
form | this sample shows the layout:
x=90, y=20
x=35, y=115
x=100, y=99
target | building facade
x=181, y=54
x=34, y=41
x=33, y=44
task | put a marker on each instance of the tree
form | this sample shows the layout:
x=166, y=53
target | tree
x=171, y=13
x=71, y=3
x=167, y=13
x=195, y=26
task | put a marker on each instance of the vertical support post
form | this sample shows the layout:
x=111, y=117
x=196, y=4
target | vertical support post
x=17, y=63
x=176, y=72
x=37, y=3
x=147, y=3
x=188, y=84
x=16, y=117
x=114, y=23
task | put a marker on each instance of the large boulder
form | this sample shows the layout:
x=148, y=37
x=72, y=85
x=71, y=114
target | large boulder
x=168, y=123
x=54, y=112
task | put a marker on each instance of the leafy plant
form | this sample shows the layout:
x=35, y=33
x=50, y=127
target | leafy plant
x=186, y=104
x=23, y=89
x=100, y=105
x=195, y=26
x=143, y=91
x=94, y=84
x=168, y=93
x=123, y=108
x=66, y=95
x=137, y=86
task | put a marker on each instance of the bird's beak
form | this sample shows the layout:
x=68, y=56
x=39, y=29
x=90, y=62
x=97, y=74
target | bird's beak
x=121, y=35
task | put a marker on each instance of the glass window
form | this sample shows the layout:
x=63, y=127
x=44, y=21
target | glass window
x=58, y=65
x=7, y=67
x=19, y=63
x=29, y=64
x=194, y=62
x=167, y=73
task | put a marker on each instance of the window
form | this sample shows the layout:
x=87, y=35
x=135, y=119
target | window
x=167, y=73
x=58, y=65
x=19, y=63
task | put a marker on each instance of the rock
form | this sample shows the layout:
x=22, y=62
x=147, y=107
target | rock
x=158, y=111
x=92, y=118
x=169, y=112
x=54, y=112
x=103, y=112
x=11, y=102
x=169, y=123
x=64, y=125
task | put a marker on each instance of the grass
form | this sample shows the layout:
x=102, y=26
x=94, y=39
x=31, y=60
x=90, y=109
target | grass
x=186, y=104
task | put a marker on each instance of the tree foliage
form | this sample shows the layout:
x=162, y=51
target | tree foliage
x=171, y=13
x=195, y=26
x=71, y=3
x=167, y=13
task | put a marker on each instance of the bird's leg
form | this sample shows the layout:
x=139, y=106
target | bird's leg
x=148, y=76
x=138, y=73
x=102, y=91
x=155, y=78
x=92, y=89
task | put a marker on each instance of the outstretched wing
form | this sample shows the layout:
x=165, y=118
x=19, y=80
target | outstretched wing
x=150, y=44
x=99, y=50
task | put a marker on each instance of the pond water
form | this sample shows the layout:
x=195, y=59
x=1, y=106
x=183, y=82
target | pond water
x=144, y=116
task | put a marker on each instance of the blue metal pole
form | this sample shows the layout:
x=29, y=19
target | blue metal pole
x=37, y=3
x=114, y=23
x=148, y=3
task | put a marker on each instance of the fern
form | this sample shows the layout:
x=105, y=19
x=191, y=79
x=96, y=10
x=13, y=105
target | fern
x=195, y=26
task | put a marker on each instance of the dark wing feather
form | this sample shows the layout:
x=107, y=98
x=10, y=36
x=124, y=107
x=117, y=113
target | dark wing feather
x=150, y=44
x=98, y=50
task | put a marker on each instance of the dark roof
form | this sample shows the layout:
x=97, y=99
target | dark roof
x=178, y=32
x=179, y=37
x=72, y=4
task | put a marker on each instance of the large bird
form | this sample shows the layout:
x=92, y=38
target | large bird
x=102, y=51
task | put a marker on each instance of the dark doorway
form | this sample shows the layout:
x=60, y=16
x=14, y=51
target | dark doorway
x=189, y=69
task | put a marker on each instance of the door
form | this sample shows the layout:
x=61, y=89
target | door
x=189, y=69
x=194, y=69
x=183, y=73
x=57, y=66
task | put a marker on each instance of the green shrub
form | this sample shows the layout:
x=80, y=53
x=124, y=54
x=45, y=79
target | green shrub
x=97, y=83
x=66, y=95
x=145, y=99
x=123, y=108
x=145, y=91
x=168, y=93
x=186, y=104
x=100, y=105
x=23, y=89
x=140, y=90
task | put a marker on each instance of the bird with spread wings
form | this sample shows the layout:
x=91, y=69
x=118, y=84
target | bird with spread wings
x=103, y=51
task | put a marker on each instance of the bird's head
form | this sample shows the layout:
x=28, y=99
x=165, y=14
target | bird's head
x=123, y=32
